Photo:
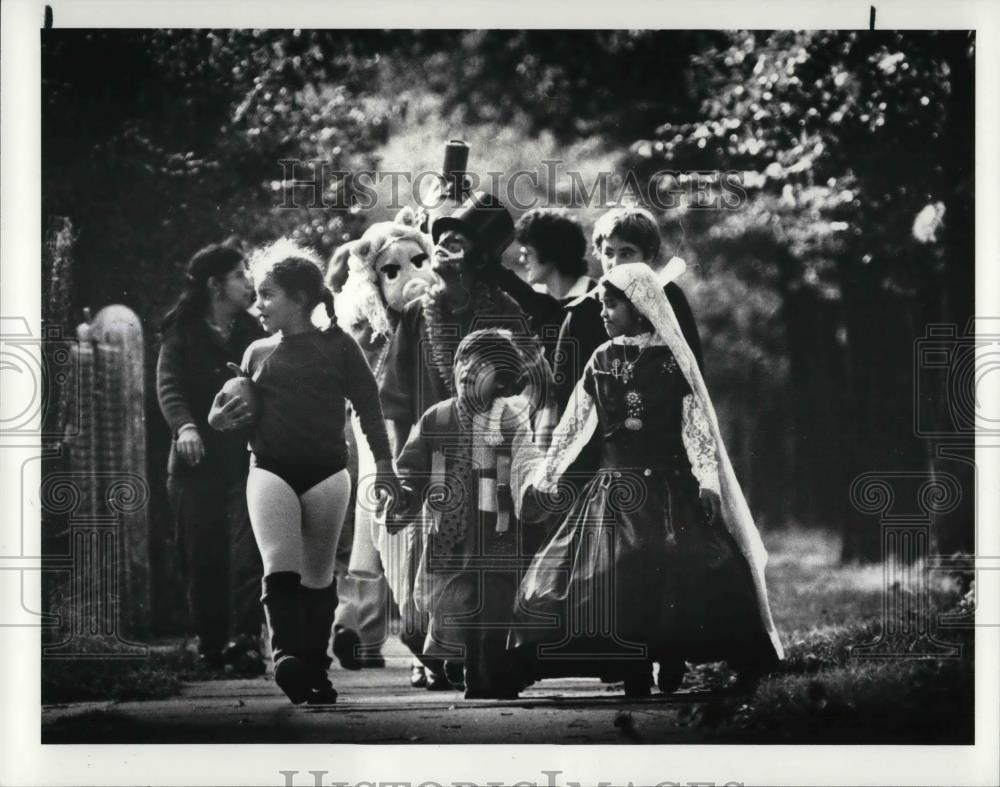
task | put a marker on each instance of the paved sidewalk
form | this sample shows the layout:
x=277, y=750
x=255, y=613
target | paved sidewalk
x=379, y=706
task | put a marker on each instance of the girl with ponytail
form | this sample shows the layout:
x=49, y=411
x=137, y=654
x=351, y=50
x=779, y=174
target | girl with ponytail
x=298, y=486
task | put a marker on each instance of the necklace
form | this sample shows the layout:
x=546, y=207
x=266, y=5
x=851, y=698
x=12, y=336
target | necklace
x=635, y=408
x=622, y=368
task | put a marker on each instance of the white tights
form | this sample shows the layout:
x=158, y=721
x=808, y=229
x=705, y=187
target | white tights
x=295, y=533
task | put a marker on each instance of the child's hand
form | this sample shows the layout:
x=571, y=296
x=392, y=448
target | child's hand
x=711, y=504
x=397, y=519
x=394, y=498
x=386, y=481
x=230, y=414
x=399, y=511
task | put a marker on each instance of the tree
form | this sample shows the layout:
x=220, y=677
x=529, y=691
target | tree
x=843, y=140
x=155, y=143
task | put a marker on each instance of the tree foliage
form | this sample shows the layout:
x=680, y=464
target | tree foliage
x=852, y=152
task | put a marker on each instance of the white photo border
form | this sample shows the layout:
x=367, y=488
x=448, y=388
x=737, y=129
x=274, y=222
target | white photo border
x=25, y=761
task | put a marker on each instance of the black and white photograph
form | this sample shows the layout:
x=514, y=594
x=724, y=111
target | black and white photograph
x=462, y=393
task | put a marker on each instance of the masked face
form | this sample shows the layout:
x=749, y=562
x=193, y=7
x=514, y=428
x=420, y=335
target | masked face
x=452, y=254
x=404, y=273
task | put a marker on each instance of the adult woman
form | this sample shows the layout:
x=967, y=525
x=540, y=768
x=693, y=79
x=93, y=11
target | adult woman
x=207, y=328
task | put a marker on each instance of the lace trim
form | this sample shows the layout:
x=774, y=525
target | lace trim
x=699, y=444
x=572, y=429
x=642, y=340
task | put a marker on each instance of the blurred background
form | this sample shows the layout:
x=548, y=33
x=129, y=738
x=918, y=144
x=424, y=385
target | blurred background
x=852, y=230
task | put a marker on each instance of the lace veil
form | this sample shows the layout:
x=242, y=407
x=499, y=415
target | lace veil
x=644, y=288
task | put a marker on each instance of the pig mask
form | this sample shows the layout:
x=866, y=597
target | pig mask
x=386, y=268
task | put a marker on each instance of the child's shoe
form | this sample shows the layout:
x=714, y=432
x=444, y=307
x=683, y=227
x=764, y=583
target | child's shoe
x=345, y=644
x=454, y=671
x=638, y=681
x=418, y=676
x=670, y=675
x=283, y=610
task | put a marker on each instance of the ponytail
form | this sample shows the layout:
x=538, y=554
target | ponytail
x=326, y=298
x=195, y=298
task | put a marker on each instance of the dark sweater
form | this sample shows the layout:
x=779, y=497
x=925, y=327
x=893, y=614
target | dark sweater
x=580, y=328
x=411, y=384
x=190, y=370
x=303, y=383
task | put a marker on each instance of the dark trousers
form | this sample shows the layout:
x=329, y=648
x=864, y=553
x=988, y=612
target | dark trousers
x=222, y=564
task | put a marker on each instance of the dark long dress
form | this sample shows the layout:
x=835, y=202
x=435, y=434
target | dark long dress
x=635, y=572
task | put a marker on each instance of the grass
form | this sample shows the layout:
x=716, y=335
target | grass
x=158, y=675
x=820, y=694
x=825, y=693
x=868, y=702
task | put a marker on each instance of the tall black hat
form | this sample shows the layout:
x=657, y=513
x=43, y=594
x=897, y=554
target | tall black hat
x=484, y=219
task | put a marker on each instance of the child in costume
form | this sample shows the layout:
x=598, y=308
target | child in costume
x=461, y=461
x=419, y=368
x=298, y=486
x=373, y=279
x=658, y=559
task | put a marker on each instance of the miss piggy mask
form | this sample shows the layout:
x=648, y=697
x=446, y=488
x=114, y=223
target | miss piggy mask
x=386, y=268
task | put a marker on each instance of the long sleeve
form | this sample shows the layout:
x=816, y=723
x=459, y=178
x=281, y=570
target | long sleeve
x=526, y=458
x=398, y=386
x=576, y=427
x=541, y=308
x=171, y=384
x=699, y=444
x=581, y=333
x=362, y=391
x=414, y=464
x=414, y=459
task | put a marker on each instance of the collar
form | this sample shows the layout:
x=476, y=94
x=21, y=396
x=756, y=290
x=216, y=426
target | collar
x=674, y=268
x=643, y=340
x=580, y=287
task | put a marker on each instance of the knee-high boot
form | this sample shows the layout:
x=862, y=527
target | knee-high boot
x=318, y=608
x=282, y=600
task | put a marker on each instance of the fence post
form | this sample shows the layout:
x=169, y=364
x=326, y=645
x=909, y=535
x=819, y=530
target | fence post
x=110, y=438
